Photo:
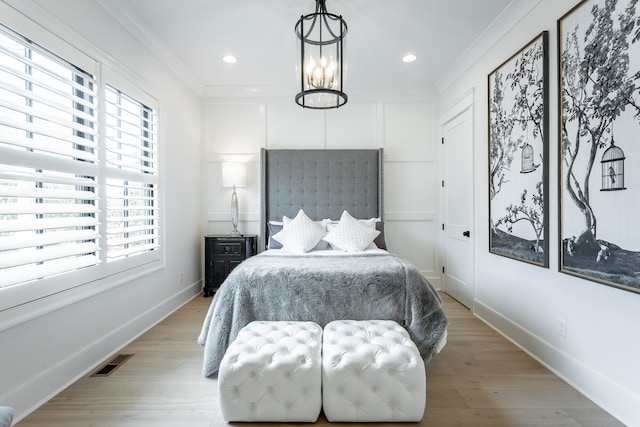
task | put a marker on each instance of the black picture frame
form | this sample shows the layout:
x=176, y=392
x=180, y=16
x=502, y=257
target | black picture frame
x=518, y=135
x=599, y=134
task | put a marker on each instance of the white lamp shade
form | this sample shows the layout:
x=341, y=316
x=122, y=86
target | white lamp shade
x=234, y=174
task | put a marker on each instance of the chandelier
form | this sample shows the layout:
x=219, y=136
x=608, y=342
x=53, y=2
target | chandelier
x=321, y=39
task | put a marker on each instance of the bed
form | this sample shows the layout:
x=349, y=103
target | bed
x=346, y=274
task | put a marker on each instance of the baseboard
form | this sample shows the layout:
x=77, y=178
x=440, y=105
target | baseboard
x=58, y=376
x=618, y=401
x=436, y=281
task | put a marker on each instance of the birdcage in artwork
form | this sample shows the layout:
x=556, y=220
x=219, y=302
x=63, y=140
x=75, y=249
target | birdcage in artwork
x=613, y=168
x=526, y=157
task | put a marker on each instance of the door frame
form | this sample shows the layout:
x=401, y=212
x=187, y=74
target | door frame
x=465, y=103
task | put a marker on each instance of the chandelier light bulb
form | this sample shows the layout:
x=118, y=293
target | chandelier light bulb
x=322, y=76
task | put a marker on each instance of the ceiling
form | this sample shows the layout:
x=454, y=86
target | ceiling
x=192, y=36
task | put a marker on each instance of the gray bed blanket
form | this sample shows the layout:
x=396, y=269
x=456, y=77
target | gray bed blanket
x=365, y=286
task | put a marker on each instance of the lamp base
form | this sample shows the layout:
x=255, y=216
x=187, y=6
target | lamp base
x=234, y=212
x=235, y=233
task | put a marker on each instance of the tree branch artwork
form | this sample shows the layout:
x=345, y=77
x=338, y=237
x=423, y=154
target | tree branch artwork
x=599, y=43
x=518, y=126
x=501, y=130
x=531, y=213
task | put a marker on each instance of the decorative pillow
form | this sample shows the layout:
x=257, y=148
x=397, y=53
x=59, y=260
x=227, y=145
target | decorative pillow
x=371, y=222
x=301, y=234
x=322, y=245
x=333, y=224
x=350, y=234
x=274, y=228
x=376, y=223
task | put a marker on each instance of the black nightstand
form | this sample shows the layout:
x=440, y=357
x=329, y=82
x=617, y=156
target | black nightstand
x=221, y=254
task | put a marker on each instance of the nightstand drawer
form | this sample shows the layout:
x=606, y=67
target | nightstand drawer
x=228, y=248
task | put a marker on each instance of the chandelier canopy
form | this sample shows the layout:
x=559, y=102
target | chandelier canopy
x=321, y=42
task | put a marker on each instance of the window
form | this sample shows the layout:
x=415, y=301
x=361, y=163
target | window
x=48, y=222
x=132, y=176
x=78, y=177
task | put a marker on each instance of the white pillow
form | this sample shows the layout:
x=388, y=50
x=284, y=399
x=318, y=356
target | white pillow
x=332, y=225
x=322, y=245
x=301, y=234
x=350, y=234
x=371, y=222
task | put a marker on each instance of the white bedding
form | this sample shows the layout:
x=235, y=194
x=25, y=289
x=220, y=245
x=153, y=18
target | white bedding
x=323, y=252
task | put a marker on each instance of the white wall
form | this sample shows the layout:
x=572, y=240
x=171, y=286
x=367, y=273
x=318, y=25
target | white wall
x=404, y=128
x=48, y=344
x=599, y=353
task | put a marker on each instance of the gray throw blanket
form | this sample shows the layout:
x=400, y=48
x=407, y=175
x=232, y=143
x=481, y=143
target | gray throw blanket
x=366, y=286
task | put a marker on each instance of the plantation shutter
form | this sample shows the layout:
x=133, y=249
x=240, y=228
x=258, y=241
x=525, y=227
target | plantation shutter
x=48, y=164
x=132, y=176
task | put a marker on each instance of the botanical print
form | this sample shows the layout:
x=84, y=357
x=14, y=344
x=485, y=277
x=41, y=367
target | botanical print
x=599, y=181
x=517, y=152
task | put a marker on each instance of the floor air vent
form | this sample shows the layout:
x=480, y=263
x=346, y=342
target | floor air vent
x=112, y=365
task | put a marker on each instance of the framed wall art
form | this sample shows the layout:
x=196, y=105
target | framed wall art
x=599, y=142
x=518, y=166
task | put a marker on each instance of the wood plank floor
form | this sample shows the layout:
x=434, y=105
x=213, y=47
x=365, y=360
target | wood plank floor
x=479, y=379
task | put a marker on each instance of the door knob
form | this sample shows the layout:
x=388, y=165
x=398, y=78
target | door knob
x=466, y=233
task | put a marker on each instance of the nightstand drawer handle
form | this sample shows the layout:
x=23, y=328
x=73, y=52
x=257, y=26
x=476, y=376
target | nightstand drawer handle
x=227, y=249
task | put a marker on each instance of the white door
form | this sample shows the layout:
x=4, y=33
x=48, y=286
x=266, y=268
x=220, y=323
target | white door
x=457, y=188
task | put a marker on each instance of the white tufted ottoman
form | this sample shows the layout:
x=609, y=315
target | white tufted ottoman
x=272, y=372
x=371, y=371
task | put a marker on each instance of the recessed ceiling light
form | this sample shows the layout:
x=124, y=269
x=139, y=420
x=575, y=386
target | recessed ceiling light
x=409, y=58
x=230, y=59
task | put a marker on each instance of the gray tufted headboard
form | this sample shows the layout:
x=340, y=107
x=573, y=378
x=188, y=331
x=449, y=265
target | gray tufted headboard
x=322, y=182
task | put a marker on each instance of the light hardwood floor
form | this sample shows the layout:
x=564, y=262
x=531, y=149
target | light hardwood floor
x=479, y=379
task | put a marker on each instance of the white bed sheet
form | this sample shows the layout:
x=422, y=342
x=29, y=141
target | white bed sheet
x=323, y=252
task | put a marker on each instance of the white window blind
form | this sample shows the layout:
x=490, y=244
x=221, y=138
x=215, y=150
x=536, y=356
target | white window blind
x=132, y=176
x=48, y=164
